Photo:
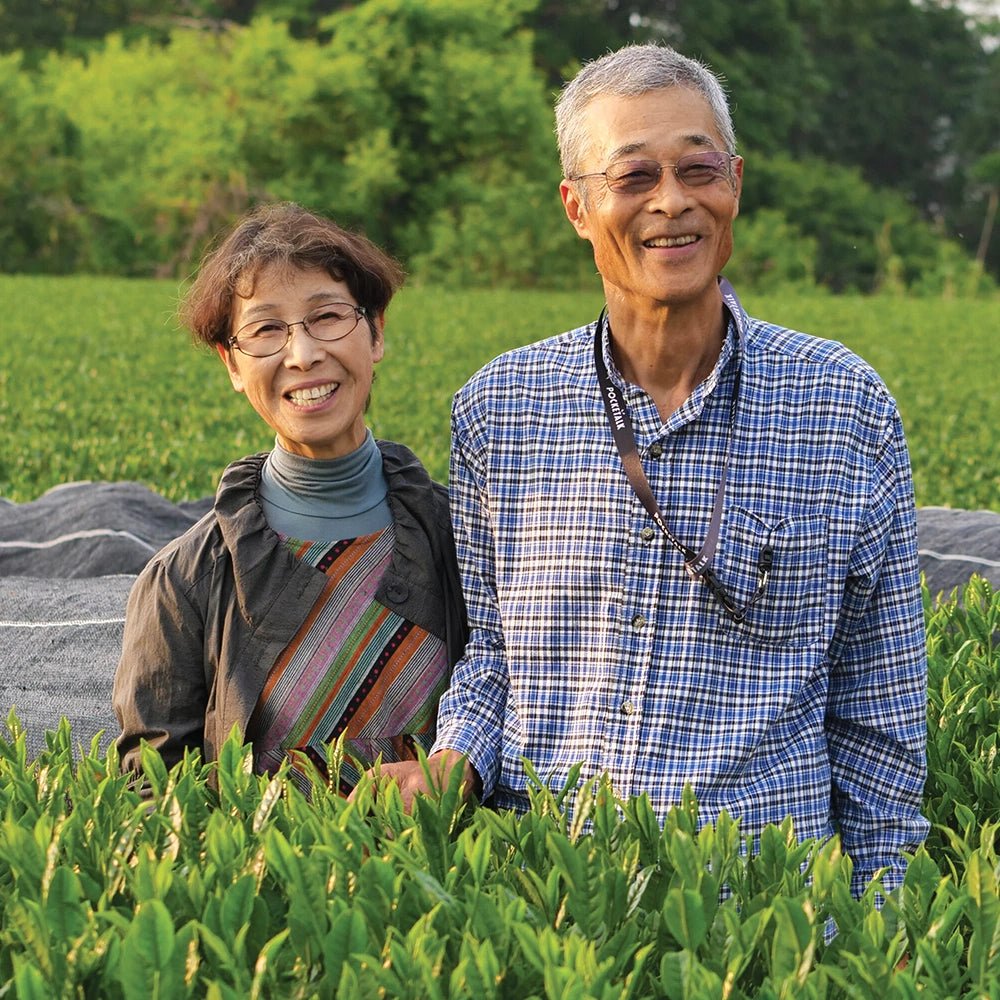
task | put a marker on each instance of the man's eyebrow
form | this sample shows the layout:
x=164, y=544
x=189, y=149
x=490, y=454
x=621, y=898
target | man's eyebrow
x=630, y=148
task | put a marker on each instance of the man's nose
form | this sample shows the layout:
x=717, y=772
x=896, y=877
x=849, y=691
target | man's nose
x=670, y=196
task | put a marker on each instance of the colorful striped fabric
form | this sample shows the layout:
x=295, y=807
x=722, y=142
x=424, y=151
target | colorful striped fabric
x=354, y=668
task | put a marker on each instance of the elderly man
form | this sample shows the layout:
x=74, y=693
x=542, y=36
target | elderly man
x=687, y=536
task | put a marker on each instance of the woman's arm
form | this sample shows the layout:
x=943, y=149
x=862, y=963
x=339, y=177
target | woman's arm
x=160, y=689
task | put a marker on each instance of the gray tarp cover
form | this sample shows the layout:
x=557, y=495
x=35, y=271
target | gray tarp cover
x=68, y=559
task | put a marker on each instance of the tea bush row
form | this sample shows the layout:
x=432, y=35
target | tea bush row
x=232, y=885
x=97, y=382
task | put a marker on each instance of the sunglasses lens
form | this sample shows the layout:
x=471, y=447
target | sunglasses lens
x=702, y=168
x=634, y=176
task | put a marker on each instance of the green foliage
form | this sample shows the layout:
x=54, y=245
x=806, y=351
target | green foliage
x=765, y=54
x=242, y=888
x=772, y=255
x=209, y=134
x=906, y=93
x=856, y=229
x=953, y=275
x=963, y=662
x=468, y=122
x=96, y=381
x=39, y=177
x=428, y=124
x=424, y=124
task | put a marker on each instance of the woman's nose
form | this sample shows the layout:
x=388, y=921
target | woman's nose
x=302, y=351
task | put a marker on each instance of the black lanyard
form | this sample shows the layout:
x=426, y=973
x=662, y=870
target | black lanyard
x=698, y=564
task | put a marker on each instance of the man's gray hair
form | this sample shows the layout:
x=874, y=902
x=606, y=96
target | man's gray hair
x=629, y=72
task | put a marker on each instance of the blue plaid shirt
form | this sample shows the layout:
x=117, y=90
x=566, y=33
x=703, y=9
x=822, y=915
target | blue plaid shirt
x=589, y=641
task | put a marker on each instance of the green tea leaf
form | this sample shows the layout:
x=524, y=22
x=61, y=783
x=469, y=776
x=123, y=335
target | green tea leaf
x=148, y=962
x=684, y=913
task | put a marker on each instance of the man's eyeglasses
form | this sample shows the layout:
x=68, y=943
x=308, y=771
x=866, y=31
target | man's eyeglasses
x=264, y=337
x=640, y=176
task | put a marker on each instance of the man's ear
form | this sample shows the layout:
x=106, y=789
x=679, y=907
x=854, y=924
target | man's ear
x=226, y=354
x=575, y=209
x=737, y=183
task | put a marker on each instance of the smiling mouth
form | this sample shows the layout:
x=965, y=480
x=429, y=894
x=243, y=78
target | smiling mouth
x=671, y=241
x=314, y=394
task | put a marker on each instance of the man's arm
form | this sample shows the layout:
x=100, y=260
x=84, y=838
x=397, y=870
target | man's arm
x=471, y=714
x=876, y=721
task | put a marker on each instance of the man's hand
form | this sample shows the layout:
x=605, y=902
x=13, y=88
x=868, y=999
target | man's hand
x=411, y=780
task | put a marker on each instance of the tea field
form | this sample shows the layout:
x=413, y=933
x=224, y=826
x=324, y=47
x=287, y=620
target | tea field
x=97, y=381
x=243, y=889
x=238, y=887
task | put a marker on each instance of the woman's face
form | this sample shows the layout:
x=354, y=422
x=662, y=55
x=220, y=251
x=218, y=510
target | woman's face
x=312, y=394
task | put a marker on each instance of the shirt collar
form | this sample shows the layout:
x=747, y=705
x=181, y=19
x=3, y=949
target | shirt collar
x=706, y=388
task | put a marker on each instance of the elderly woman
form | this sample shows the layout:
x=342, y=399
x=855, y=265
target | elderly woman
x=320, y=597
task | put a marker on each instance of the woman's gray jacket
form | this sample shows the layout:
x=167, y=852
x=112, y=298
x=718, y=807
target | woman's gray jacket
x=213, y=610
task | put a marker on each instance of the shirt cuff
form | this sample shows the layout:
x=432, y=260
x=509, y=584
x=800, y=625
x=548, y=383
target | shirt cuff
x=481, y=754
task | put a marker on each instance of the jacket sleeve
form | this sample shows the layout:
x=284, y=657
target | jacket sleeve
x=456, y=619
x=876, y=723
x=160, y=691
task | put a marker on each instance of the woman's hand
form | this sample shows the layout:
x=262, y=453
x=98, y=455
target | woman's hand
x=412, y=781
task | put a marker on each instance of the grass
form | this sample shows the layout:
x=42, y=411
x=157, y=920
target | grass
x=97, y=382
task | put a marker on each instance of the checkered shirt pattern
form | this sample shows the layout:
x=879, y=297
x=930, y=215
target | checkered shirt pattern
x=590, y=643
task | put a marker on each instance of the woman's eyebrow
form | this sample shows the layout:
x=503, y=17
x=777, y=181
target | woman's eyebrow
x=268, y=309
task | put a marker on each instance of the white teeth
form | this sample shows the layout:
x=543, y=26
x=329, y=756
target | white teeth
x=305, y=396
x=672, y=241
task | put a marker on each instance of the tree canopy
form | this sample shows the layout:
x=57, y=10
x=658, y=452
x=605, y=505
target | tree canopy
x=130, y=134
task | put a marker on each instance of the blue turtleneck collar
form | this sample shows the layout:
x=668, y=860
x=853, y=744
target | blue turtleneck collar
x=325, y=499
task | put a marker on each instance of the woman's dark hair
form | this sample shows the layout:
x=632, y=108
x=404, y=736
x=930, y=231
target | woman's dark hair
x=288, y=235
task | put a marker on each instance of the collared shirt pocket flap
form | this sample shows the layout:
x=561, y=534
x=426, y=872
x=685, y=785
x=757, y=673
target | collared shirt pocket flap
x=790, y=610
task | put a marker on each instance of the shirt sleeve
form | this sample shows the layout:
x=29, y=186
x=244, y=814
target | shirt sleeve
x=160, y=692
x=471, y=712
x=876, y=723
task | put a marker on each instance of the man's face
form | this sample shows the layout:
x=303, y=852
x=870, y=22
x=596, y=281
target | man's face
x=667, y=245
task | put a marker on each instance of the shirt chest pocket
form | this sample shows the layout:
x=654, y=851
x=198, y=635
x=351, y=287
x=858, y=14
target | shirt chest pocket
x=790, y=611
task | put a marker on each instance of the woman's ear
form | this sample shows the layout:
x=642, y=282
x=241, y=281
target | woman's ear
x=378, y=340
x=229, y=360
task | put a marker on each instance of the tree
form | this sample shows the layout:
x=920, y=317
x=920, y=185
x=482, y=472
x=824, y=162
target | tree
x=39, y=178
x=465, y=129
x=421, y=122
x=987, y=172
x=761, y=50
x=856, y=229
x=37, y=27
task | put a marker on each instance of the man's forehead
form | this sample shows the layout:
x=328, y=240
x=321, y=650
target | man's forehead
x=634, y=125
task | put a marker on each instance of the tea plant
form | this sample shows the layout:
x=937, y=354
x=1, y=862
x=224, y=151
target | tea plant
x=232, y=885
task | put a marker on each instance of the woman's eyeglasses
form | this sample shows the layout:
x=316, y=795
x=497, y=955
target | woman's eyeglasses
x=264, y=337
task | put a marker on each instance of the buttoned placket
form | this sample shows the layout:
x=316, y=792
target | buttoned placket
x=644, y=569
x=648, y=562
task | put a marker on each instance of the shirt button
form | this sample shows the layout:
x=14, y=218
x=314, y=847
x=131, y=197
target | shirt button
x=638, y=622
x=647, y=534
x=628, y=708
x=397, y=592
x=655, y=450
